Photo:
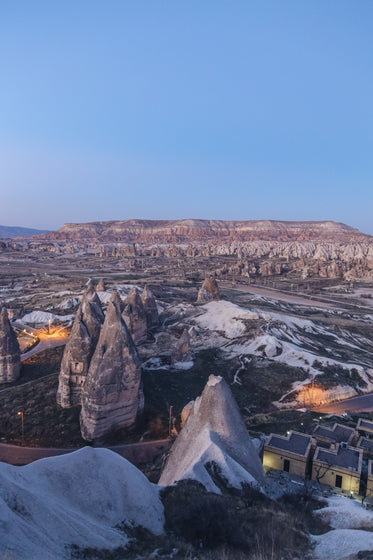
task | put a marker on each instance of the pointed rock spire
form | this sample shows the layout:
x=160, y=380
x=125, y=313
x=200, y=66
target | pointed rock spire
x=214, y=432
x=112, y=395
x=183, y=351
x=101, y=285
x=10, y=354
x=134, y=316
x=79, y=349
x=115, y=298
x=209, y=291
x=150, y=306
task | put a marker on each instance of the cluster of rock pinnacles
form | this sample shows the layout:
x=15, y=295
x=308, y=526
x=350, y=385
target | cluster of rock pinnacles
x=101, y=368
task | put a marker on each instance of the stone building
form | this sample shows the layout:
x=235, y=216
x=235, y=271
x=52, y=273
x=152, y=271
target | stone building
x=291, y=453
x=79, y=349
x=339, y=467
x=365, y=427
x=325, y=437
x=10, y=354
x=112, y=394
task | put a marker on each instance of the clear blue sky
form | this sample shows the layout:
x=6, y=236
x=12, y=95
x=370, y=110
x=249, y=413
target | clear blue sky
x=122, y=109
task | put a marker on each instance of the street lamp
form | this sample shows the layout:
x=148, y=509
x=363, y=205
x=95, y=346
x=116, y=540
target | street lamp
x=20, y=413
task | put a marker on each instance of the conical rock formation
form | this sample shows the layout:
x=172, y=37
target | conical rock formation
x=209, y=291
x=135, y=317
x=112, y=395
x=79, y=349
x=214, y=432
x=101, y=285
x=10, y=354
x=150, y=306
x=183, y=351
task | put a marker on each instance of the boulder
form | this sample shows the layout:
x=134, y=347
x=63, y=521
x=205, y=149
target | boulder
x=209, y=291
x=112, y=395
x=10, y=354
x=214, y=438
x=79, y=349
x=134, y=316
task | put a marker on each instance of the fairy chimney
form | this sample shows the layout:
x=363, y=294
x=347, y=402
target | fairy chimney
x=209, y=291
x=134, y=316
x=79, y=349
x=10, y=354
x=112, y=395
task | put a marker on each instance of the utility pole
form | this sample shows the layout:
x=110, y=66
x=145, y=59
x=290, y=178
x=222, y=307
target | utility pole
x=170, y=422
x=20, y=413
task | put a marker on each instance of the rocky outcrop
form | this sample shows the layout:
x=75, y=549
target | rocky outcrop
x=209, y=291
x=214, y=438
x=134, y=316
x=10, y=354
x=112, y=395
x=101, y=285
x=150, y=306
x=79, y=349
x=185, y=412
x=183, y=352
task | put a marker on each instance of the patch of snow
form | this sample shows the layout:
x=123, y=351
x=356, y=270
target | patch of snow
x=344, y=513
x=225, y=316
x=342, y=544
x=43, y=317
x=184, y=365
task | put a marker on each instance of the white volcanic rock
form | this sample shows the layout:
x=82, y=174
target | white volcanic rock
x=209, y=291
x=112, y=395
x=79, y=349
x=150, y=306
x=10, y=354
x=214, y=432
x=134, y=316
x=75, y=499
x=185, y=412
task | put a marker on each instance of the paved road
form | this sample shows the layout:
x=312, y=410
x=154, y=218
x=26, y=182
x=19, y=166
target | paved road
x=143, y=452
x=58, y=337
x=356, y=404
x=137, y=453
x=300, y=298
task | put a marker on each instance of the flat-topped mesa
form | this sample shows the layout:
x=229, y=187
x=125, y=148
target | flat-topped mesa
x=112, y=394
x=183, y=351
x=134, y=316
x=209, y=291
x=150, y=306
x=79, y=349
x=214, y=434
x=10, y=353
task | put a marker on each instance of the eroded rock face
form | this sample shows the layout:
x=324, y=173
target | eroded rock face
x=183, y=351
x=209, y=291
x=79, y=349
x=150, y=306
x=214, y=432
x=101, y=285
x=134, y=316
x=10, y=354
x=112, y=395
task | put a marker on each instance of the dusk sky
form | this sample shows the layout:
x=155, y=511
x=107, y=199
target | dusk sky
x=186, y=109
